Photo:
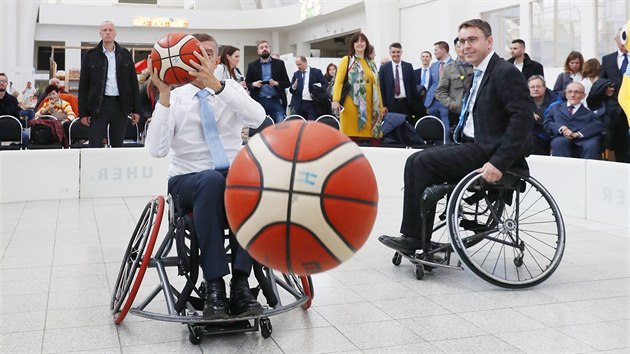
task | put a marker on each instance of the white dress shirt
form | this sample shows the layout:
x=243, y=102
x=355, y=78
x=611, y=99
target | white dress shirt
x=111, y=84
x=469, y=127
x=620, y=58
x=403, y=94
x=177, y=129
x=306, y=92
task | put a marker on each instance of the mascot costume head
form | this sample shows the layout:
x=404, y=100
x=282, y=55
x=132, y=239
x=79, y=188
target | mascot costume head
x=624, y=91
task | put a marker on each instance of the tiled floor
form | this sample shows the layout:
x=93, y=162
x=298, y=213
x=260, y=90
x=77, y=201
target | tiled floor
x=60, y=259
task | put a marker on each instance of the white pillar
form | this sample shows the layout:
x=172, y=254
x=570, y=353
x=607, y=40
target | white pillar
x=73, y=55
x=525, y=12
x=8, y=40
x=383, y=25
x=303, y=48
x=588, y=28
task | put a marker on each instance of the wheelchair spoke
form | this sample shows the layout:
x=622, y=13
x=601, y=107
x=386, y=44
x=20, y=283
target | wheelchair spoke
x=519, y=214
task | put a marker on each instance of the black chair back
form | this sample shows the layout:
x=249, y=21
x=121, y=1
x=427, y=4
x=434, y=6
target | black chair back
x=431, y=129
x=329, y=120
x=10, y=132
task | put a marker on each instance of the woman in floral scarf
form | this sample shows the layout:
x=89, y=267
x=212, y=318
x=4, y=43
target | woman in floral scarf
x=362, y=106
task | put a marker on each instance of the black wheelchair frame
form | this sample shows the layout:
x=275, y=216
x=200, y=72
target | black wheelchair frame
x=510, y=234
x=186, y=305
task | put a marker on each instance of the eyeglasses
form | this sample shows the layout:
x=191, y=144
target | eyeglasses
x=536, y=87
x=571, y=92
x=470, y=40
x=3, y=81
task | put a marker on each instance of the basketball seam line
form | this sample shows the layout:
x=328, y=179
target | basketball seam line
x=290, y=196
x=330, y=150
x=325, y=195
x=262, y=181
x=326, y=248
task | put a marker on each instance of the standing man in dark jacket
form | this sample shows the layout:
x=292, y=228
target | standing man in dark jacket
x=108, y=89
x=266, y=80
x=523, y=62
x=615, y=64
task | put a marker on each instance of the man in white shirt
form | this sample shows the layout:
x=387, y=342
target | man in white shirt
x=306, y=82
x=200, y=125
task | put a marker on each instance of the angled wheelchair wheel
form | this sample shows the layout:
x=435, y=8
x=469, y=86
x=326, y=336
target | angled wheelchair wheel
x=136, y=259
x=510, y=234
x=303, y=284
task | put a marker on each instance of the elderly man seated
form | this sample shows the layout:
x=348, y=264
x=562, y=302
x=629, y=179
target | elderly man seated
x=575, y=129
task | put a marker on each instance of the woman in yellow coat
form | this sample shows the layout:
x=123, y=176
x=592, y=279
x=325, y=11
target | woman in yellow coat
x=362, y=106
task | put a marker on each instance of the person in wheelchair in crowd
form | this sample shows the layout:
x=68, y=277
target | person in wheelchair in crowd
x=493, y=134
x=200, y=125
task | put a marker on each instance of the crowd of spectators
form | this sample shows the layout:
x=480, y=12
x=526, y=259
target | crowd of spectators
x=361, y=94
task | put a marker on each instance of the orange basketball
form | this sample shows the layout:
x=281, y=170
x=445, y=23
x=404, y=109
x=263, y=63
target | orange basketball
x=171, y=57
x=301, y=197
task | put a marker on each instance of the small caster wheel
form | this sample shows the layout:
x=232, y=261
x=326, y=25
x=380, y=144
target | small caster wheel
x=265, y=327
x=195, y=335
x=397, y=259
x=518, y=261
x=419, y=271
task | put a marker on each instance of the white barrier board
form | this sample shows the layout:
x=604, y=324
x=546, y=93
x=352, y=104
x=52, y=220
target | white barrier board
x=39, y=175
x=121, y=173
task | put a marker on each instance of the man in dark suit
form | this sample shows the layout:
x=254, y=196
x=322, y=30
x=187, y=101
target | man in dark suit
x=306, y=84
x=523, y=62
x=496, y=121
x=266, y=80
x=614, y=64
x=421, y=79
x=574, y=127
x=398, y=90
x=434, y=107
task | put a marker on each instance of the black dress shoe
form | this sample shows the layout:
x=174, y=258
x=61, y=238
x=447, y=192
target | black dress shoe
x=242, y=302
x=403, y=244
x=216, y=306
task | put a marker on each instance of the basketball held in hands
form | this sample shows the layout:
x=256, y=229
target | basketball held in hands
x=171, y=57
x=301, y=197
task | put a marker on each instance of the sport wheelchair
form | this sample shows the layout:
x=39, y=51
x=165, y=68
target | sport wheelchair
x=510, y=234
x=186, y=304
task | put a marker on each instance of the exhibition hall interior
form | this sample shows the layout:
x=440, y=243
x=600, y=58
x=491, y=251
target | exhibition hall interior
x=391, y=212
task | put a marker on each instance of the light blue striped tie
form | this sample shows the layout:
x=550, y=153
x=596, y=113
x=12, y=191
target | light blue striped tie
x=459, y=130
x=211, y=133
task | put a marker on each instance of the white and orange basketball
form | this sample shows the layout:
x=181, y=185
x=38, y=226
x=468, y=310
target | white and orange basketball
x=171, y=57
x=301, y=197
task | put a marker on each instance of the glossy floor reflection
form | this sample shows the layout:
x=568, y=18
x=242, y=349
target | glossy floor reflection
x=60, y=259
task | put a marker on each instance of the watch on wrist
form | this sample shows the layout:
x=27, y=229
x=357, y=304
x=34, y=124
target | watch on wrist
x=221, y=89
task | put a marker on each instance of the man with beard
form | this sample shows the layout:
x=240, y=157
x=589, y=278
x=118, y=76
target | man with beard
x=8, y=103
x=267, y=80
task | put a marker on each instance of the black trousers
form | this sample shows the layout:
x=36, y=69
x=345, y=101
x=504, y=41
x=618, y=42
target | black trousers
x=307, y=110
x=202, y=192
x=445, y=163
x=111, y=114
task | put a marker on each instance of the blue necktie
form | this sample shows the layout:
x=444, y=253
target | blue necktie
x=423, y=80
x=624, y=63
x=459, y=130
x=211, y=133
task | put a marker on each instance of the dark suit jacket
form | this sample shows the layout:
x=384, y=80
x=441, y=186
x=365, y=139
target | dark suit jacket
x=315, y=76
x=530, y=67
x=611, y=71
x=582, y=120
x=388, y=85
x=278, y=73
x=503, y=115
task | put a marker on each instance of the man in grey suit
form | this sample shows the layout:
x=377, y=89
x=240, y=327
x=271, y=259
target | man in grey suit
x=575, y=128
x=494, y=129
